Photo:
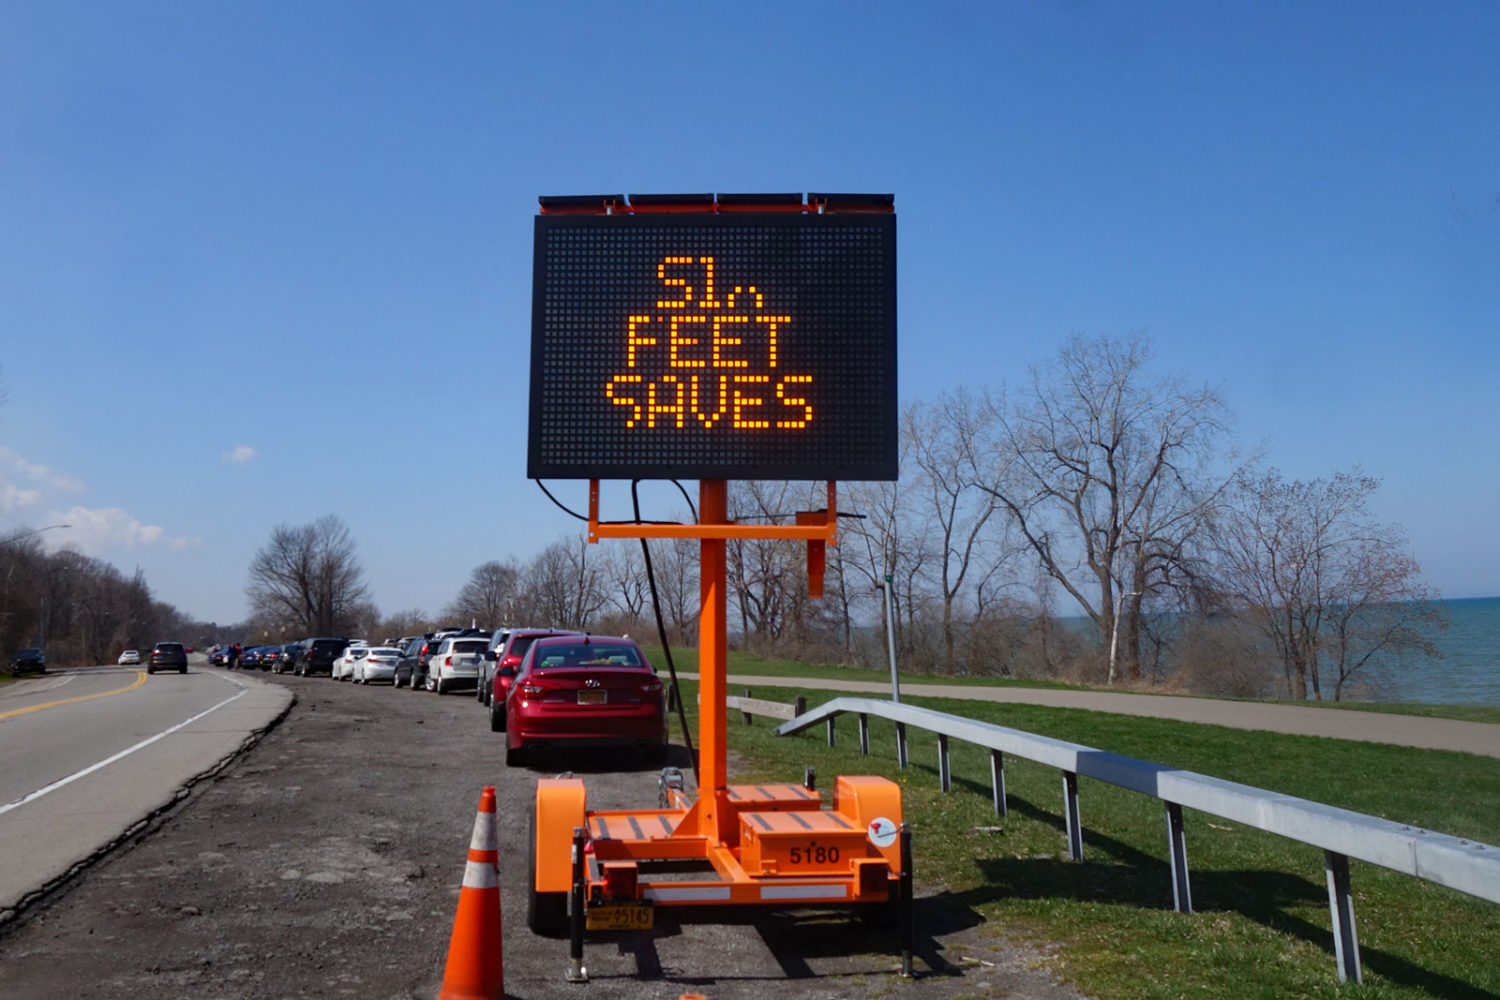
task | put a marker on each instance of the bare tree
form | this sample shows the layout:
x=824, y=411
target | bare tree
x=624, y=576
x=765, y=576
x=891, y=541
x=1114, y=474
x=408, y=621
x=957, y=476
x=675, y=564
x=565, y=584
x=1332, y=589
x=309, y=578
x=489, y=597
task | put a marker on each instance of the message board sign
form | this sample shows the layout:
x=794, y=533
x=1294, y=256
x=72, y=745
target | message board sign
x=714, y=346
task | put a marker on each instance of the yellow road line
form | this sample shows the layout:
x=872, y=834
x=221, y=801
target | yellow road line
x=140, y=678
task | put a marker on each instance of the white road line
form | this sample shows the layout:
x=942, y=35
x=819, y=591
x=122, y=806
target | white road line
x=33, y=796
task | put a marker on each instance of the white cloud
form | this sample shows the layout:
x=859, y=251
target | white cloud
x=14, y=468
x=240, y=455
x=13, y=498
x=94, y=530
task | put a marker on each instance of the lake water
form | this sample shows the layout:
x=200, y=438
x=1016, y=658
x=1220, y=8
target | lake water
x=1469, y=672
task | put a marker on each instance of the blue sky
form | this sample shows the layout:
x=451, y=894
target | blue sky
x=263, y=262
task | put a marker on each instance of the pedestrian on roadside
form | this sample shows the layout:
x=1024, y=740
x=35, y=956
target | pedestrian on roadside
x=234, y=656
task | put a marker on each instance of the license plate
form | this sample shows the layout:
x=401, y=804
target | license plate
x=592, y=697
x=620, y=917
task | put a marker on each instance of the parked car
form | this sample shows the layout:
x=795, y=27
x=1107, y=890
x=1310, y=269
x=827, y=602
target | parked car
x=286, y=659
x=504, y=661
x=130, y=658
x=455, y=662
x=29, y=659
x=219, y=657
x=425, y=650
x=379, y=664
x=343, y=667
x=250, y=657
x=168, y=656
x=585, y=691
x=317, y=655
x=406, y=667
x=485, y=688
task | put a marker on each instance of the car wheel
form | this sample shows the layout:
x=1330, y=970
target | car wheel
x=150, y=670
x=440, y=687
x=515, y=756
x=497, y=717
x=546, y=912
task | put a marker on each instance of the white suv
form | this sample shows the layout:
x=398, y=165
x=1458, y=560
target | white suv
x=456, y=663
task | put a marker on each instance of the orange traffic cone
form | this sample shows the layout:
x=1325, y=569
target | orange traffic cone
x=475, y=970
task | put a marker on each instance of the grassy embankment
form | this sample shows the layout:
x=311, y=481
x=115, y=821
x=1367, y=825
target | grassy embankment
x=750, y=664
x=1261, y=926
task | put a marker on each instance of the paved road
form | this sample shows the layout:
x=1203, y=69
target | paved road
x=1369, y=727
x=92, y=753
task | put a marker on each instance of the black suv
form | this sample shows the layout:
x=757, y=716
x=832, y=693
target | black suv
x=165, y=656
x=29, y=659
x=317, y=656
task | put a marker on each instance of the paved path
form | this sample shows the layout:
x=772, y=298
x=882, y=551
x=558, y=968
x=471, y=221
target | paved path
x=1340, y=724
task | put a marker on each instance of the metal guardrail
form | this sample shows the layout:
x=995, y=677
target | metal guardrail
x=1466, y=865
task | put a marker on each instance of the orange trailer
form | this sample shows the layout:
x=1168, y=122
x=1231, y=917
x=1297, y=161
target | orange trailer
x=732, y=845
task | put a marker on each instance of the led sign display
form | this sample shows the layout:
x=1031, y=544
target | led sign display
x=714, y=346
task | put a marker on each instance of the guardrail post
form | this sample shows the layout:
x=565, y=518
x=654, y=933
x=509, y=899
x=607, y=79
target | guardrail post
x=1070, y=812
x=671, y=697
x=1341, y=902
x=800, y=705
x=901, y=757
x=997, y=782
x=945, y=775
x=746, y=714
x=1182, y=894
x=864, y=734
x=831, y=737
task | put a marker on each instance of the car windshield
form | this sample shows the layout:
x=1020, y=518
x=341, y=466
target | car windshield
x=472, y=646
x=597, y=654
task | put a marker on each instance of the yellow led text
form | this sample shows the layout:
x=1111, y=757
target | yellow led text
x=694, y=367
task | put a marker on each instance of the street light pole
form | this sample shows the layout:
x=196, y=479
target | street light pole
x=33, y=531
x=1114, y=633
x=890, y=637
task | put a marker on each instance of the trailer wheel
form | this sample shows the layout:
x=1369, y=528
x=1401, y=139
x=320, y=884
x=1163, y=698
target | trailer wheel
x=546, y=912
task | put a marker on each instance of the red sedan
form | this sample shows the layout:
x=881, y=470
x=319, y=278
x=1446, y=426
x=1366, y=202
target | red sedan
x=584, y=691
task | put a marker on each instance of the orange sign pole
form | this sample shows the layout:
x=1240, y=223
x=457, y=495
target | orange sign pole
x=713, y=645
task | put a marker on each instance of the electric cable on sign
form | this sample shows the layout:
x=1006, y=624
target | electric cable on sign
x=584, y=517
x=661, y=629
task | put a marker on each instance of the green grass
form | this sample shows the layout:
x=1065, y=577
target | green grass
x=1261, y=926
x=758, y=666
